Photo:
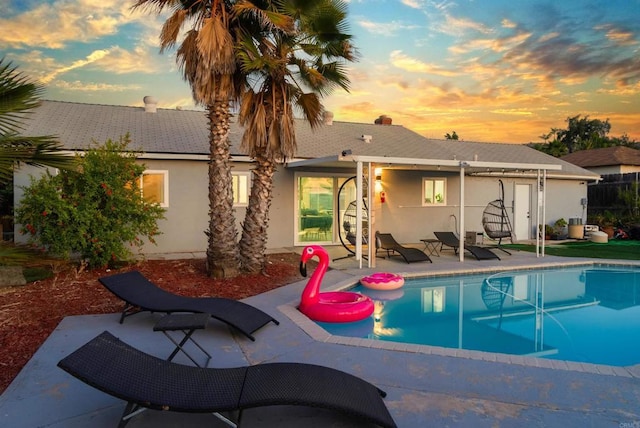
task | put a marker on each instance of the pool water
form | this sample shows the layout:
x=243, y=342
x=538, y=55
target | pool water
x=584, y=314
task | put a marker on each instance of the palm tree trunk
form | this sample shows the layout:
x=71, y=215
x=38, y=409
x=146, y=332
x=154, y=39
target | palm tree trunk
x=222, y=251
x=254, y=232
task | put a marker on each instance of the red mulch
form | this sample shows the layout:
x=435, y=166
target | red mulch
x=28, y=314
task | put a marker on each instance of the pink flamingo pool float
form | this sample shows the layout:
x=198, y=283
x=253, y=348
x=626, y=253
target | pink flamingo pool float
x=332, y=306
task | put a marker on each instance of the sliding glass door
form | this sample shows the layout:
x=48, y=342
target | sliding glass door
x=315, y=208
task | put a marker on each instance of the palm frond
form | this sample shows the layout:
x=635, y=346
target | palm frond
x=38, y=151
x=171, y=29
x=18, y=95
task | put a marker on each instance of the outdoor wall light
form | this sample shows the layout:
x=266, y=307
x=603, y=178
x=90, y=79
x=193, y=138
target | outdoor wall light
x=378, y=175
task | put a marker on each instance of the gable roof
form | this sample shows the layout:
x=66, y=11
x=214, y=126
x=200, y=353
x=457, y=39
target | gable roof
x=185, y=133
x=608, y=156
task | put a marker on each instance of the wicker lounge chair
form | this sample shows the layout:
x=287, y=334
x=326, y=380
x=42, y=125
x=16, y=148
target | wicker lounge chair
x=140, y=294
x=450, y=239
x=386, y=242
x=144, y=381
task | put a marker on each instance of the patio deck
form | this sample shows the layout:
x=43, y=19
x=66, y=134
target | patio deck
x=426, y=386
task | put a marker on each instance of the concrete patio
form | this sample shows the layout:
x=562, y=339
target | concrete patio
x=426, y=386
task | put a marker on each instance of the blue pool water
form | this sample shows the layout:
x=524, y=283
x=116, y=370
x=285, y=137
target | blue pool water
x=585, y=314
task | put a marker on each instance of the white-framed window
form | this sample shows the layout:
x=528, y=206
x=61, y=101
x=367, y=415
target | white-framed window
x=241, y=188
x=434, y=191
x=154, y=186
x=433, y=300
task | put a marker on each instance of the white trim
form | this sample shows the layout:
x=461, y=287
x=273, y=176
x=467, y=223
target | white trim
x=165, y=184
x=434, y=179
x=385, y=160
x=248, y=188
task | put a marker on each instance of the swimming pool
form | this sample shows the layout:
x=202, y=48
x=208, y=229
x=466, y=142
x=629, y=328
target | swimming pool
x=584, y=314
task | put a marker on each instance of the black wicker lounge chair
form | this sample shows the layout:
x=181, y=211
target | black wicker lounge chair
x=386, y=242
x=140, y=294
x=144, y=381
x=450, y=239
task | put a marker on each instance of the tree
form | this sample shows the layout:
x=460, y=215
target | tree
x=582, y=133
x=19, y=95
x=285, y=70
x=96, y=212
x=452, y=136
x=207, y=61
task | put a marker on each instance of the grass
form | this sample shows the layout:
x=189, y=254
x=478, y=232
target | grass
x=614, y=249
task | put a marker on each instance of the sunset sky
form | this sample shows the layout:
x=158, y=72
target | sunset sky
x=491, y=70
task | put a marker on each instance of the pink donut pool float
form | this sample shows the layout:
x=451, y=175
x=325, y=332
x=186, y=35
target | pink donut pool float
x=383, y=281
x=333, y=306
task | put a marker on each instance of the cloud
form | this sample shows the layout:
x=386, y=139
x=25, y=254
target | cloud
x=54, y=25
x=94, y=56
x=415, y=4
x=619, y=36
x=385, y=28
x=413, y=65
x=93, y=87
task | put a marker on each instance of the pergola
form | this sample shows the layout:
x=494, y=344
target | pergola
x=463, y=167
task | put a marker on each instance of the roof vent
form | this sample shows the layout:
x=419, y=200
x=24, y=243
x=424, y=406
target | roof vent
x=327, y=117
x=150, y=104
x=383, y=120
x=366, y=138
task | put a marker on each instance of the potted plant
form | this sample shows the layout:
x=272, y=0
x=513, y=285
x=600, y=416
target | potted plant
x=559, y=229
x=606, y=221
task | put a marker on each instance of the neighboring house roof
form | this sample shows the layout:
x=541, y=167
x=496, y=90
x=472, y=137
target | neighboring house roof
x=185, y=132
x=608, y=156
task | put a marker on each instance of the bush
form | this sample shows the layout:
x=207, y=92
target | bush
x=95, y=212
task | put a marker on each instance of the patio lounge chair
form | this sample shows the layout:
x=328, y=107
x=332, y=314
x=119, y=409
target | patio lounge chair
x=450, y=239
x=386, y=241
x=140, y=294
x=147, y=382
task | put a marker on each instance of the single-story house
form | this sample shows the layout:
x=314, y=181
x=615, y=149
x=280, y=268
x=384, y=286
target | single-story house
x=608, y=160
x=420, y=185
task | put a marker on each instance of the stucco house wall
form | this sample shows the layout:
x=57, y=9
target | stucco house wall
x=176, y=141
x=403, y=215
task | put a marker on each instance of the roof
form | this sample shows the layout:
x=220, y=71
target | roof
x=185, y=132
x=608, y=156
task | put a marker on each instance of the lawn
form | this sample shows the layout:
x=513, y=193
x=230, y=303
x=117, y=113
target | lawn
x=615, y=249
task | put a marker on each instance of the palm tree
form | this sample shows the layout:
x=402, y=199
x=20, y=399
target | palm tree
x=285, y=69
x=207, y=61
x=19, y=95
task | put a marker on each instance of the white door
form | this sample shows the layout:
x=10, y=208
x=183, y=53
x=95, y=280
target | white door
x=522, y=211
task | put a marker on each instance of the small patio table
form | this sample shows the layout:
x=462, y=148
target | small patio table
x=431, y=246
x=188, y=324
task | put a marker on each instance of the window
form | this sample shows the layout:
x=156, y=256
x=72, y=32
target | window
x=434, y=191
x=240, y=189
x=315, y=208
x=433, y=300
x=154, y=186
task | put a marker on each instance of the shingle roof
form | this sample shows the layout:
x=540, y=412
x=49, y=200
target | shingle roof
x=608, y=156
x=184, y=132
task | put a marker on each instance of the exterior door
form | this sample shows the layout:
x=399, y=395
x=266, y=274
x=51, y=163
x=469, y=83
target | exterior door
x=522, y=211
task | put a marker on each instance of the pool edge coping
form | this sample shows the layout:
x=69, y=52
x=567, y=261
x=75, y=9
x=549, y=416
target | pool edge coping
x=316, y=332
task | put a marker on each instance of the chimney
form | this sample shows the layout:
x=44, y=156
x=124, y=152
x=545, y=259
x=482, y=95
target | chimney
x=327, y=117
x=150, y=104
x=383, y=120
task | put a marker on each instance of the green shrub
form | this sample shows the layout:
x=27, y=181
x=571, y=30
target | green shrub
x=95, y=212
